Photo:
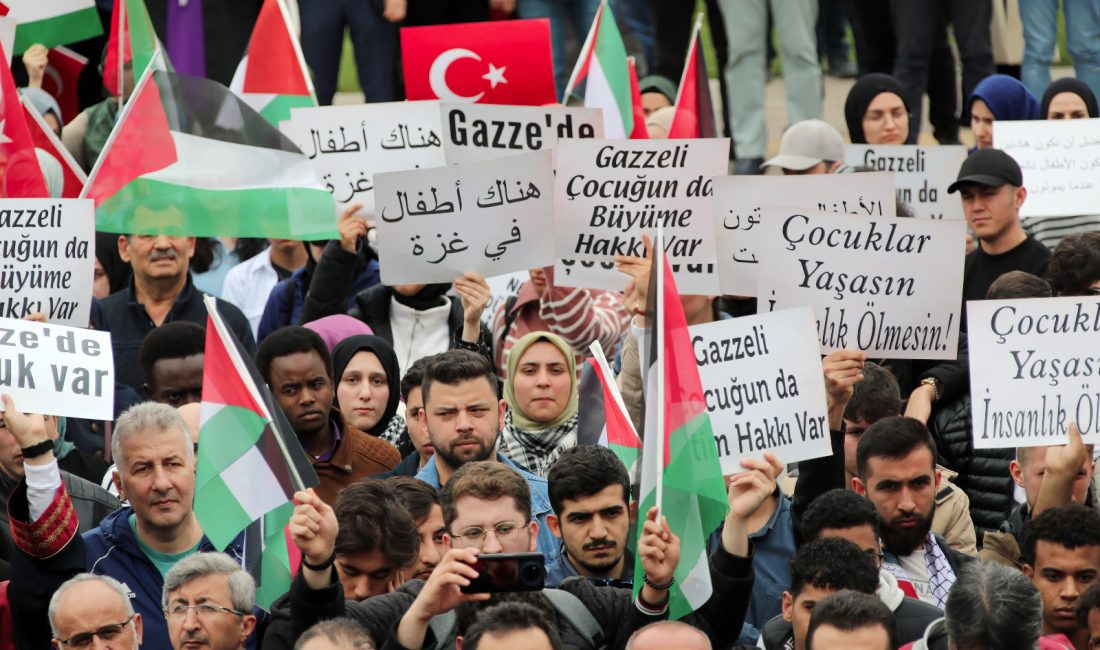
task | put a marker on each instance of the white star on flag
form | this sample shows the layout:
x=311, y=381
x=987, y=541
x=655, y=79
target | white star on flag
x=495, y=75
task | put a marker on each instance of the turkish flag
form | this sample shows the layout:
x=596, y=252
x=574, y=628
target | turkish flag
x=497, y=62
x=62, y=80
x=73, y=177
x=20, y=175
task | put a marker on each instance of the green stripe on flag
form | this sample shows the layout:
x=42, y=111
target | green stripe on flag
x=628, y=455
x=275, y=576
x=278, y=109
x=146, y=206
x=226, y=436
x=224, y=524
x=58, y=30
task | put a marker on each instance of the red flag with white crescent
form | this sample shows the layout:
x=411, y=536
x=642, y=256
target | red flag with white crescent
x=62, y=80
x=496, y=62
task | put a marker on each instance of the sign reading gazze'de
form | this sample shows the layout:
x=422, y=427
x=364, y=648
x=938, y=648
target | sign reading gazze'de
x=1034, y=368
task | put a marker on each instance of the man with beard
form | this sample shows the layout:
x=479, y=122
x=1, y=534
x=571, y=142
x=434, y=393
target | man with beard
x=463, y=417
x=896, y=463
x=590, y=492
x=486, y=509
x=295, y=363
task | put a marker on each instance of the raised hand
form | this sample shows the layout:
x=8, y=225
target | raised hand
x=843, y=369
x=351, y=228
x=659, y=549
x=313, y=527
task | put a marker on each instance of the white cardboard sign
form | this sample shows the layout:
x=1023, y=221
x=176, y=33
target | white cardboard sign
x=1060, y=160
x=922, y=174
x=888, y=286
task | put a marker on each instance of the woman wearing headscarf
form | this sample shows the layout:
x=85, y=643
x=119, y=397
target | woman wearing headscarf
x=875, y=111
x=368, y=388
x=999, y=97
x=1065, y=99
x=111, y=273
x=541, y=392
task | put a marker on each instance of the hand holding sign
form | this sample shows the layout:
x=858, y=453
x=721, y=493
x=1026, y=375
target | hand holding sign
x=1065, y=465
x=843, y=370
x=351, y=228
x=474, y=292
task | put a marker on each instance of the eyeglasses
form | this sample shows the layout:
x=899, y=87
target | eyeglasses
x=877, y=557
x=505, y=531
x=202, y=610
x=105, y=633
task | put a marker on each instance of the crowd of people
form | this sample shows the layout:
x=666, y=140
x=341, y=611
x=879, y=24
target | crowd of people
x=439, y=431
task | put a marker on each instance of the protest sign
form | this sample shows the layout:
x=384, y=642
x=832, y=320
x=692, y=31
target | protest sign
x=1034, y=368
x=922, y=174
x=763, y=386
x=349, y=144
x=888, y=286
x=1060, y=160
x=607, y=193
x=488, y=217
x=47, y=259
x=475, y=132
x=57, y=370
x=737, y=201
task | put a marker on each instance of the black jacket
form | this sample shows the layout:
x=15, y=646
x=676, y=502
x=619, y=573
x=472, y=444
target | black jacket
x=719, y=618
x=129, y=323
x=982, y=473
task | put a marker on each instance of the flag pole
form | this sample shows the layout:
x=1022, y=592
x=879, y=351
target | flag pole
x=659, y=332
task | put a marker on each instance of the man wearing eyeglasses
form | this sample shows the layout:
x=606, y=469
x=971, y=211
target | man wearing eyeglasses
x=93, y=611
x=208, y=602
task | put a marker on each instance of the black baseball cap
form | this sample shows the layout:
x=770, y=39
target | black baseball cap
x=989, y=167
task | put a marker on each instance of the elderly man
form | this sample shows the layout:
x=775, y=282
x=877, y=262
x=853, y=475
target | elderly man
x=208, y=600
x=89, y=607
x=137, y=544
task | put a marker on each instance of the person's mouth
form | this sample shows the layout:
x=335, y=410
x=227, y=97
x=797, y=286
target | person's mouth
x=364, y=410
x=1066, y=612
x=311, y=416
x=908, y=522
x=425, y=574
x=164, y=503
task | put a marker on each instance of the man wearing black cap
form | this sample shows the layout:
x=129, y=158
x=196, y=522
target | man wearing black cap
x=992, y=189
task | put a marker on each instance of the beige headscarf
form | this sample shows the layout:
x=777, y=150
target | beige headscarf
x=519, y=418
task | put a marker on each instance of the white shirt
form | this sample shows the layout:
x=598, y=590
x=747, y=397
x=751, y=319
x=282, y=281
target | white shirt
x=249, y=284
x=417, y=334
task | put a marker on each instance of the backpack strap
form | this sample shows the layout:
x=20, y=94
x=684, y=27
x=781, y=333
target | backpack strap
x=576, y=613
x=442, y=628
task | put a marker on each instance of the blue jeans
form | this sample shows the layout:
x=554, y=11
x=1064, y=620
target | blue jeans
x=1040, y=39
x=579, y=13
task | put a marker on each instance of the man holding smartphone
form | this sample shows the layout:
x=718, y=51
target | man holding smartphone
x=486, y=510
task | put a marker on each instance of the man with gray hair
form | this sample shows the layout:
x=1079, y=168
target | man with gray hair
x=668, y=634
x=137, y=544
x=208, y=600
x=87, y=607
x=990, y=607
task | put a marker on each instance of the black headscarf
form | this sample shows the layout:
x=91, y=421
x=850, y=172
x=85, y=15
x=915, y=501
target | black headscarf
x=349, y=347
x=429, y=296
x=106, y=251
x=1069, y=85
x=860, y=97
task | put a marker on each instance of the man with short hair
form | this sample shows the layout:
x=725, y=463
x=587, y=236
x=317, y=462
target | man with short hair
x=413, y=396
x=160, y=291
x=590, y=492
x=818, y=569
x=463, y=416
x=422, y=502
x=810, y=147
x=295, y=363
x=850, y=620
x=668, y=634
x=208, y=600
x=137, y=544
x=335, y=634
x=377, y=538
x=486, y=508
x=1062, y=558
x=89, y=607
x=171, y=359
x=846, y=515
x=992, y=189
x=511, y=625
x=896, y=462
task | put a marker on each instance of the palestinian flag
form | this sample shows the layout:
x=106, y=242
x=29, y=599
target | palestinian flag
x=272, y=77
x=270, y=554
x=53, y=22
x=73, y=176
x=602, y=70
x=20, y=175
x=694, y=116
x=639, y=132
x=132, y=41
x=616, y=431
x=680, y=471
x=250, y=463
x=187, y=157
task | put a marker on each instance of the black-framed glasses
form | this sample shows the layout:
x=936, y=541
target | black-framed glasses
x=202, y=610
x=105, y=633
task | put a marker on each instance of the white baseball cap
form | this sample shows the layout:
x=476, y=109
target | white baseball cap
x=807, y=143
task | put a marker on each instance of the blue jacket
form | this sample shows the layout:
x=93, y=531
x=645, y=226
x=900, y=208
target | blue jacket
x=111, y=549
x=540, y=502
x=284, y=303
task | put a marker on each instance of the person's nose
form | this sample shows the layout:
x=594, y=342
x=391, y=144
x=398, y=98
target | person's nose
x=492, y=543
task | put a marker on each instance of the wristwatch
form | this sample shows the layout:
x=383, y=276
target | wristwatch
x=937, y=387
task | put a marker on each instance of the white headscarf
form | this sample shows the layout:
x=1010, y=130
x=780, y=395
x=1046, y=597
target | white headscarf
x=51, y=172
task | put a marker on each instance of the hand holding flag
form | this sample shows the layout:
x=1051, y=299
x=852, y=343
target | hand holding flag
x=659, y=553
x=313, y=527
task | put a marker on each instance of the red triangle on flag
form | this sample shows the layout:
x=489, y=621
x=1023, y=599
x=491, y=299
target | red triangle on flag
x=221, y=380
x=639, y=132
x=694, y=117
x=271, y=53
